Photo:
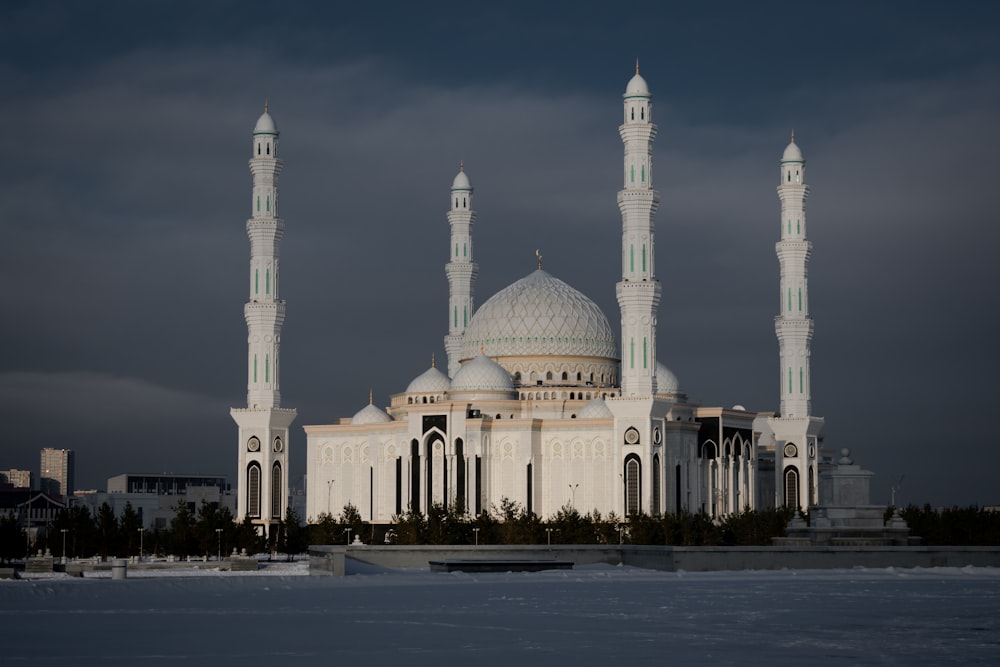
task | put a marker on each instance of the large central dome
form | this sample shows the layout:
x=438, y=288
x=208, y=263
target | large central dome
x=539, y=315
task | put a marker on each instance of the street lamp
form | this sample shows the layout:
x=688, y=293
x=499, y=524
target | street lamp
x=348, y=531
x=64, y=531
x=476, y=531
x=329, y=488
x=141, y=535
x=548, y=534
x=218, y=531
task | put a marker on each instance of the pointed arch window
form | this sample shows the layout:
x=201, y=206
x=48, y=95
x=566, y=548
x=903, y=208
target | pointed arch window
x=465, y=250
x=256, y=281
x=789, y=380
x=644, y=257
x=267, y=368
x=258, y=148
x=631, y=258
x=642, y=113
x=255, y=369
x=276, y=500
x=454, y=317
x=633, y=485
x=644, y=353
x=258, y=203
x=268, y=147
x=802, y=380
x=632, y=174
x=267, y=281
x=456, y=250
x=643, y=173
x=800, y=299
x=633, y=113
x=792, y=487
x=655, y=509
x=798, y=226
x=253, y=490
x=269, y=203
x=465, y=316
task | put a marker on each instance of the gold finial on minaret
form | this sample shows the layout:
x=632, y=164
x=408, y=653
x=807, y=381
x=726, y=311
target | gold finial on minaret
x=369, y=397
x=461, y=165
x=265, y=106
x=432, y=360
x=538, y=255
x=636, y=65
x=793, y=136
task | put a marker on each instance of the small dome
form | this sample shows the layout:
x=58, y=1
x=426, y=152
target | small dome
x=482, y=374
x=596, y=409
x=461, y=181
x=370, y=414
x=666, y=381
x=431, y=380
x=637, y=86
x=792, y=152
x=265, y=124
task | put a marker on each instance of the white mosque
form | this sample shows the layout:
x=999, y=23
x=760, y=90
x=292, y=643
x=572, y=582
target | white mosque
x=538, y=404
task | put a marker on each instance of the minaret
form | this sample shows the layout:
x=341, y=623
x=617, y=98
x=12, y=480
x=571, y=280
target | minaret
x=461, y=270
x=262, y=477
x=793, y=325
x=795, y=430
x=639, y=291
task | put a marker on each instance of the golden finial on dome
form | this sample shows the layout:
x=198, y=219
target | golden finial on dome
x=636, y=65
x=461, y=165
x=265, y=106
x=538, y=255
x=369, y=397
x=432, y=360
x=793, y=136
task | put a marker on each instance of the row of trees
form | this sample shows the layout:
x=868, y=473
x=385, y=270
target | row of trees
x=210, y=530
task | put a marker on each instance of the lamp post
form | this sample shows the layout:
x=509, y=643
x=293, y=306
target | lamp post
x=329, y=489
x=548, y=534
x=572, y=490
x=64, y=531
x=476, y=531
x=348, y=531
x=218, y=532
x=141, y=535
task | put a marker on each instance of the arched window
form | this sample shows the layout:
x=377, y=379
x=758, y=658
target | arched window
x=812, y=487
x=253, y=490
x=633, y=487
x=258, y=148
x=276, y=500
x=565, y=376
x=655, y=509
x=792, y=487
x=548, y=375
x=642, y=113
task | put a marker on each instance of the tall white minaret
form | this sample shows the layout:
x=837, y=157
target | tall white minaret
x=262, y=476
x=639, y=291
x=793, y=325
x=461, y=270
x=796, y=431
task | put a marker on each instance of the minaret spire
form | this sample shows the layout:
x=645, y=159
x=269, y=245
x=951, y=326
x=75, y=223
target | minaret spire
x=460, y=269
x=639, y=290
x=263, y=425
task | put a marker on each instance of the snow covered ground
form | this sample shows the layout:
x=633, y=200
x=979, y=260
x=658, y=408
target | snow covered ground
x=586, y=616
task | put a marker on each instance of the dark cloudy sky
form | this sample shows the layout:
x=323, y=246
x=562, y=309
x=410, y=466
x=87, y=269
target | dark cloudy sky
x=124, y=190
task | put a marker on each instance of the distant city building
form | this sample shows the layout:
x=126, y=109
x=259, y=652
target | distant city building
x=154, y=497
x=56, y=472
x=34, y=510
x=18, y=479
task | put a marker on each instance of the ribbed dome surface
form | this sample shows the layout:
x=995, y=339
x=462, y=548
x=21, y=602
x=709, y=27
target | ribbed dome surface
x=539, y=315
x=370, y=415
x=430, y=380
x=666, y=381
x=596, y=409
x=481, y=374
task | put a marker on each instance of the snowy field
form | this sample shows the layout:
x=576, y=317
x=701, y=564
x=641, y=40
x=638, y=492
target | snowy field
x=587, y=616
